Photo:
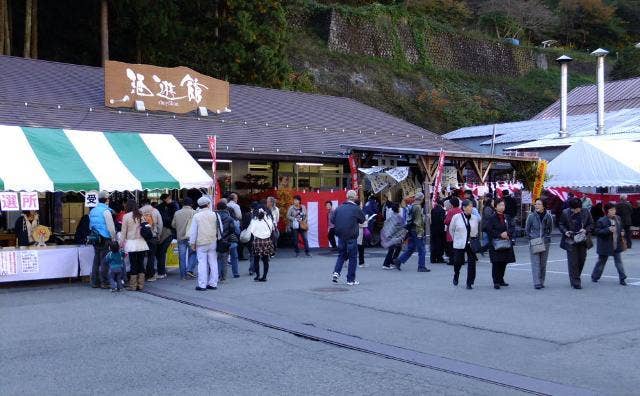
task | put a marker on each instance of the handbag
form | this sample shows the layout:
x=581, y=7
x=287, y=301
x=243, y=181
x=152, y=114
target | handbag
x=245, y=236
x=501, y=244
x=580, y=237
x=475, y=245
x=536, y=245
x=223, y=246
x=304, y=226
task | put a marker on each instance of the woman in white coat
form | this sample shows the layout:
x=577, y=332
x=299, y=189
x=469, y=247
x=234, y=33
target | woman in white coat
x=464, y=231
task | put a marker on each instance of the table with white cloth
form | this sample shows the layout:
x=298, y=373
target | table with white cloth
x=50, y=262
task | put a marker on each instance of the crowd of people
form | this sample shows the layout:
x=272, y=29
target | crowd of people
x=459, y=231
x=211, y=238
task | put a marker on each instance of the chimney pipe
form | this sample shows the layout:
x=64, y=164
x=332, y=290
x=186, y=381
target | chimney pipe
x=564, y=66
x=600, y=54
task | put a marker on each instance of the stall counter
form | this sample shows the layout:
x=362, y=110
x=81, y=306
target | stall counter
x=50, y=262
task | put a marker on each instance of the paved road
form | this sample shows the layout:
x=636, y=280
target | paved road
x=71, y=339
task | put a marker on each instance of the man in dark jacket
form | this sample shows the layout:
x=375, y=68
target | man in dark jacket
x=576, y=226
x=438, y=237
x=510, y=204
x=167, y=209
x=610, y=233
x=624, y=210
x=224, y=244
x=347, y=219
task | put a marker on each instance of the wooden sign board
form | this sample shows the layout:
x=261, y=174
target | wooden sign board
x=174, y=90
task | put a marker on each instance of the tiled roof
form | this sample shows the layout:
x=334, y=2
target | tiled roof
x=618, y=95
x=262, y=122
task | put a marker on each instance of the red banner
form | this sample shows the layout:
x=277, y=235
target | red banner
x=353, y=166
x=213, y=140
x=438, y=180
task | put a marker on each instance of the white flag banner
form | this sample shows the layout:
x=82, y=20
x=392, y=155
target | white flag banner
x=378, y=182
x=399, y=173
x=371, y=171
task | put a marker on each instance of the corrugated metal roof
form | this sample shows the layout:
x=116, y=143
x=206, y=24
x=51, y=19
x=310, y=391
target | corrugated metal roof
x=623, y=124
x=580, y=125
x=262, y=121
x=618, y=95
x=477, y=131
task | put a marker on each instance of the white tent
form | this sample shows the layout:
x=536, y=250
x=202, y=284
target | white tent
x=596, y=162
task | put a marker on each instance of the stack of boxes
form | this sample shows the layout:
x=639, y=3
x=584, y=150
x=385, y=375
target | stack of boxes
x=72, y=212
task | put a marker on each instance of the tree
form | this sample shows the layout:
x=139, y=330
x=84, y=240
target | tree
x=453, y=12
x=589, y=24
x=629, y=12
x=628, y=64
x=104, y=30
x=517, y=18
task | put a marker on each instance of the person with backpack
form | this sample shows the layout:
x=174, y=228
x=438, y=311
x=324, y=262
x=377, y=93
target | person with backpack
x=416, y=227
x=134, y=244
x=228, y=237
x=203, y=237
x=152, y=217
x=115, y=261
x=101, y=223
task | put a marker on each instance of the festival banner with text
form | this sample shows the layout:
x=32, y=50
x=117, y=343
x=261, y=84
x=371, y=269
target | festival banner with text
x=438, y=179
x=540, y=173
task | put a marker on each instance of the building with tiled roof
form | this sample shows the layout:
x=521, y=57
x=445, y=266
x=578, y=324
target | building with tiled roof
x=267, y=131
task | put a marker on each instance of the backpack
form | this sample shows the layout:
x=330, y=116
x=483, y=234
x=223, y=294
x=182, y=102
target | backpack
x=94, y=238
x=408, y=214
x=145, y=230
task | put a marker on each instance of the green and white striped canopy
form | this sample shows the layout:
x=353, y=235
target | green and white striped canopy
x=42, y=159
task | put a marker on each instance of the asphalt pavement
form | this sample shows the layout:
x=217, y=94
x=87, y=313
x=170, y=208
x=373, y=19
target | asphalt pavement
x=398, y=332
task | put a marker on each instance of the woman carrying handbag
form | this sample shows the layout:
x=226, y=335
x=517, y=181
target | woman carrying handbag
x=500, y=229
x=464, y=232
x=538, y=229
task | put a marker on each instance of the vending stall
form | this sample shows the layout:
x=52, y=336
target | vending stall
x=39, y=164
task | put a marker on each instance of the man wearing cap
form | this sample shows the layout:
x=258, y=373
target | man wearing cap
x=203, y=236
x=416, y=227
x=347, y=219
x=188, y=259
x=101, y=220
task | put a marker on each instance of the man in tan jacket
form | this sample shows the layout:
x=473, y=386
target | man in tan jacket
x=187, y=258
x=203, y=236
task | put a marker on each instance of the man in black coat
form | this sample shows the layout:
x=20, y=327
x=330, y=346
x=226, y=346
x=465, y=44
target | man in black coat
x=511, y=206
x=576, y=226
x=167, y=209
x=610, y=233
x=438, y=236
x=347, y=219
x=624, y=210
